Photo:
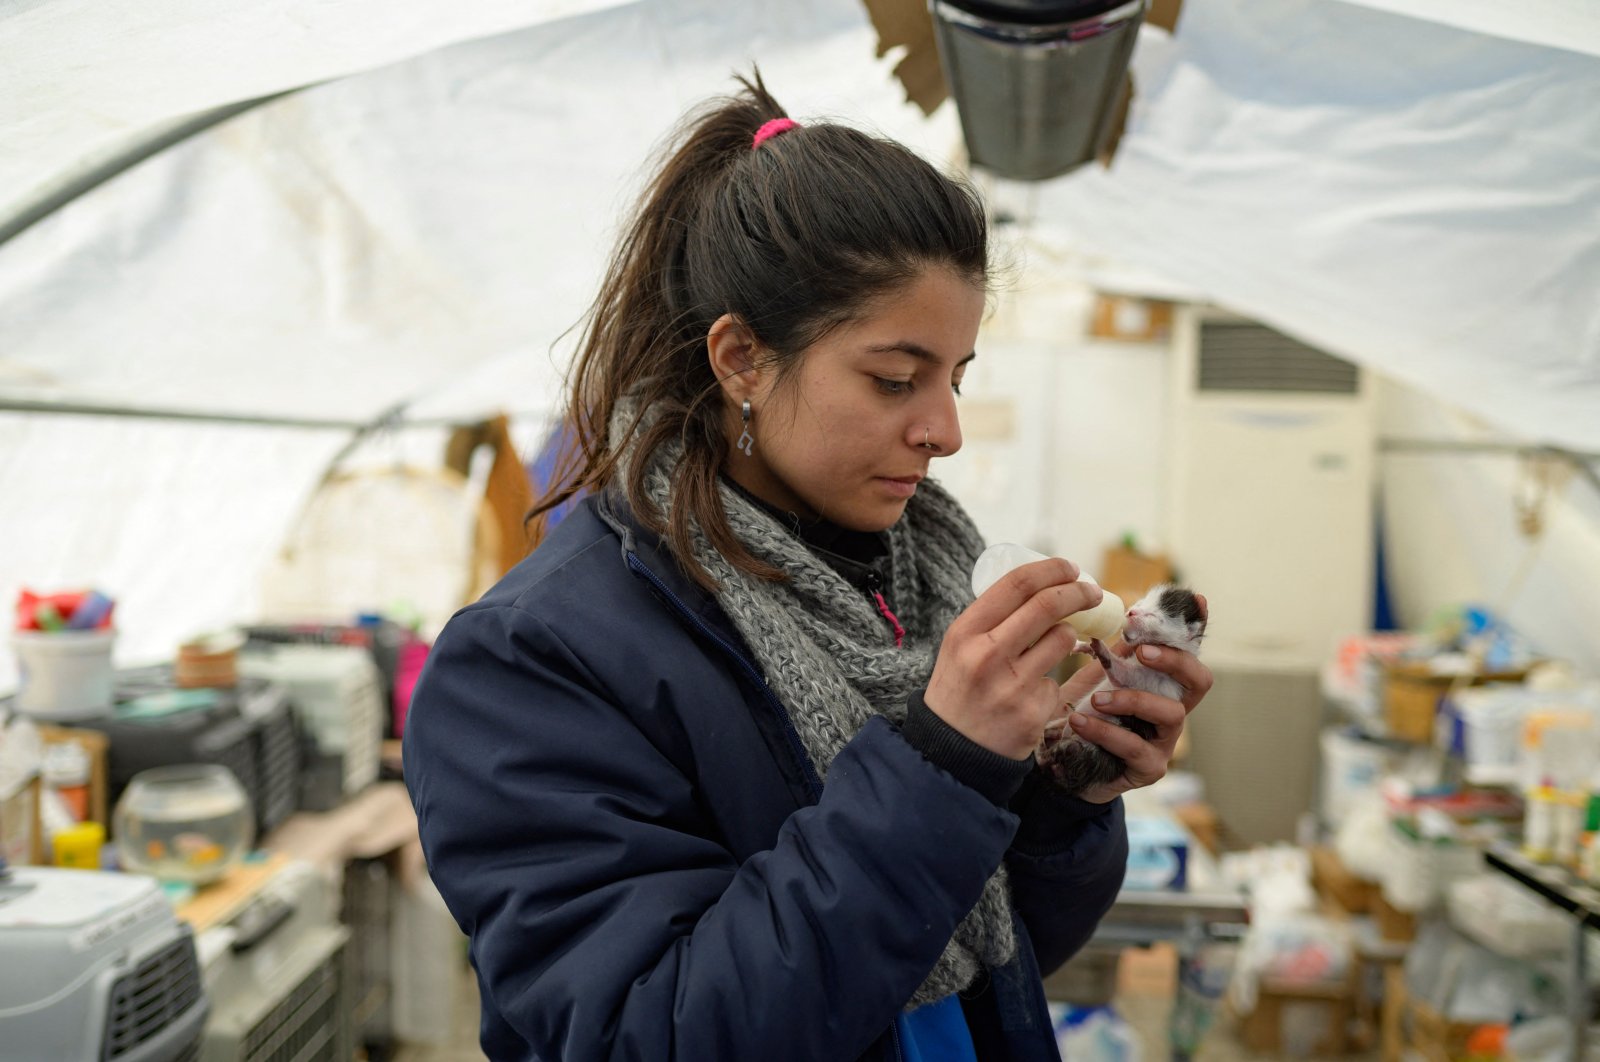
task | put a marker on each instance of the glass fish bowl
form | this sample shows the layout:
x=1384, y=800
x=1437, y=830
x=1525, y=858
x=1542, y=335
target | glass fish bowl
x=187, y=823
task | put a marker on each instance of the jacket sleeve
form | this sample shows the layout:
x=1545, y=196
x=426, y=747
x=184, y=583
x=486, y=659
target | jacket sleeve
x=606, y=919
x=1067, y=863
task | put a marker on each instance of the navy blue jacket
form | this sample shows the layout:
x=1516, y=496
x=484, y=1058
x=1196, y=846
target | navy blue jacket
x=621, y=817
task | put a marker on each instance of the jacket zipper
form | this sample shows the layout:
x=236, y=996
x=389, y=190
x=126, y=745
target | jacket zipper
x=894, y=1040
x=813, y=782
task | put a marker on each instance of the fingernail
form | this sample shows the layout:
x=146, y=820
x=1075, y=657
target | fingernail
x=1101, y=699
x=1149, y=654
x=1077, y=721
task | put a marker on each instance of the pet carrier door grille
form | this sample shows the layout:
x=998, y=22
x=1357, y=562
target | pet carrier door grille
x=159, y=991
x=279, y=761
x=307, y=1025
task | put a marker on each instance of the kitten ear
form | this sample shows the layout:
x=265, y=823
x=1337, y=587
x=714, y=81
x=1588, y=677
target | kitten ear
x=1200, y=599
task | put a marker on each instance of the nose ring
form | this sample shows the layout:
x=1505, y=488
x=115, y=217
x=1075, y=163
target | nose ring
x=925, y=443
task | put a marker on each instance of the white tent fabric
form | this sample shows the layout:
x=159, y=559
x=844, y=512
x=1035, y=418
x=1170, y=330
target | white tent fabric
x=1412, y=196
x=176, y=521
x=375, y=239
x=1570, y=24
x=1452, y=535
x=81, y=78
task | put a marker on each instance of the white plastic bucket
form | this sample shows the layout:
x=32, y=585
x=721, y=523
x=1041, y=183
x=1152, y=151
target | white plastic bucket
x=63, y=675
x=1351, y=768
x=1491, y=728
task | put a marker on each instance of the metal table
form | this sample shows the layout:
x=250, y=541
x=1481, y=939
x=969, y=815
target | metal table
x=1561, y=887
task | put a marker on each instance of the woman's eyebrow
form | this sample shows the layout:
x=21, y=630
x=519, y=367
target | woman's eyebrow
x=916, y=350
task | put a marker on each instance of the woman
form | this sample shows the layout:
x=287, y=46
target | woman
x=693, y=777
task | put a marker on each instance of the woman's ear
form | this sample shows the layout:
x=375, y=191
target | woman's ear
x=731, y=349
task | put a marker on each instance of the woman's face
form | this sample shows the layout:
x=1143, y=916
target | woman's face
x=843, y=437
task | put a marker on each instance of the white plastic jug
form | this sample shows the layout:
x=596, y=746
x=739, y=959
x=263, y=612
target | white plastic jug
x=63, y=675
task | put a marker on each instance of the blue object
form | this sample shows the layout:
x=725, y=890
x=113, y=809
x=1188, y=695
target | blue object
x=90, y=611
x=1382, y=604
x=608, y=797
x=542, y=472
x=1158, y=855
x=936, y=1032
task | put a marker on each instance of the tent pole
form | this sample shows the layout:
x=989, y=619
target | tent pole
x=1581, y=462
x=82, y=409
x=48, y=202
x=391, y=418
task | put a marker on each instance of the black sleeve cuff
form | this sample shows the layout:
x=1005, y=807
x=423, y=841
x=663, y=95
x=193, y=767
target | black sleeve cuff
x=995, y=776
x=1052, y=819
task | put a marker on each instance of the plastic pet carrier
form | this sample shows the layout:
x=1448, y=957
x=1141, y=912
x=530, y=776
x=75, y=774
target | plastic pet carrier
x=249, y=729
x=384, y=640
x=276, y=975
x=367, y=911
x=338, y=699
x=96, y=969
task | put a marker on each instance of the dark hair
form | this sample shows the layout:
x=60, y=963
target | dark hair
x=793, y=238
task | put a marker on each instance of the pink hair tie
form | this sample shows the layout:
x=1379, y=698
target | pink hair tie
x=771, y=129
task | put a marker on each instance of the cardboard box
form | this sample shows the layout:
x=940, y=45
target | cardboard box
x=1129, y=573
x=1332, y=879
x=1201, y=821
x=908, y=24
x=1393, y=923
x=21, y=832
x=1130, y=318
x=97, y=745
x=1411, y=693
x=1434, y=1036
x=1300, y=1019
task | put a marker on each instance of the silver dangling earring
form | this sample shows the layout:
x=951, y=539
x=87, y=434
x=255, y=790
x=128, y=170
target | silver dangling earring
x=746, y=441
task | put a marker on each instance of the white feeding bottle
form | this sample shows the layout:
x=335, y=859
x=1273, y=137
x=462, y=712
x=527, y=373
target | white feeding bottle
x=1104, y=621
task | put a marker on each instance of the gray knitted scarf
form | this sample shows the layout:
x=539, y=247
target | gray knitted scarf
x=829, y=654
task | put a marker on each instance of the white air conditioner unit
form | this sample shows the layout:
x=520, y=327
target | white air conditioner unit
x=1270, y=516
x=1270, y=511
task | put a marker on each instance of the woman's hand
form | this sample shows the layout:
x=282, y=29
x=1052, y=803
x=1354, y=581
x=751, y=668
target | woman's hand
x=1146, y=761
x=992, y=679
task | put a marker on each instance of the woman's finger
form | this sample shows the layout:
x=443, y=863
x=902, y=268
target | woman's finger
x=998, y=603
x=1053, y=646
x=1127, y=746
x=1164, y=713
x=1042, y=612
x=1192, y=675
x=1082, y=683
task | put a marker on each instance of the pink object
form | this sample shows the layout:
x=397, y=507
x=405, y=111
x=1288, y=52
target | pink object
x=407, y=669
x=894, y=621
x=771, y=129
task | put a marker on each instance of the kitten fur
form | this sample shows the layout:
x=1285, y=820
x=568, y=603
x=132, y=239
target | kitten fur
x=1168, y=615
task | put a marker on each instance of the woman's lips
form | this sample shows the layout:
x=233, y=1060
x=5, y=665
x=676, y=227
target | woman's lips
x=903, y=487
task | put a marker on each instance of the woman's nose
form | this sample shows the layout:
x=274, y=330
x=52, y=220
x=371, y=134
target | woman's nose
x=942, y=431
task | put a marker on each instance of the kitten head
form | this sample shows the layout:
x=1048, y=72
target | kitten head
x=1167, y=615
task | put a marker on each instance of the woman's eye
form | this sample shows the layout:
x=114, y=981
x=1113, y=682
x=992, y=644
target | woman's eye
x=956, y=387
x=893, y=387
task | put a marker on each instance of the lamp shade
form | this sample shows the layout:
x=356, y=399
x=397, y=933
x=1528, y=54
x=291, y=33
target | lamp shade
x=1036, y=83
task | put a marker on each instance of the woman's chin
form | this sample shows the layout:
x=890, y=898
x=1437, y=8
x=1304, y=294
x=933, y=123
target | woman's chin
x=879, y=516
